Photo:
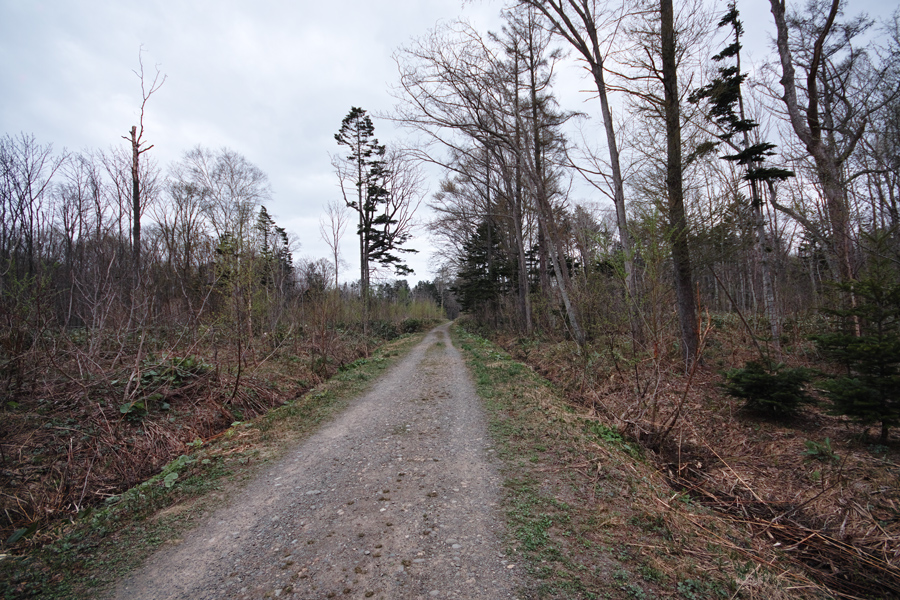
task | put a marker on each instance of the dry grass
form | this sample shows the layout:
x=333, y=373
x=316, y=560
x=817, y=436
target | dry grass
x=66, y=445
x=594, y=518
x=77, y=559
x=828, y=516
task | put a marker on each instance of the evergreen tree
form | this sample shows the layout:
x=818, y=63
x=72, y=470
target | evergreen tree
x=366, y=167
x=274, y=250
x=869, y=391
x=726, y=109
x=773, y=390
x=485, y=273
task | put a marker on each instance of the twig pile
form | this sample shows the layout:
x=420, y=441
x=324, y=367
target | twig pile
x=838, y=522
x=859, y=570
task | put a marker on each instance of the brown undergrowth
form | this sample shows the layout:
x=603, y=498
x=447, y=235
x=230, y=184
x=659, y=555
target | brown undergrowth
x=79, y=558
x=588, y=513
x=815, y=493
x=86, y=430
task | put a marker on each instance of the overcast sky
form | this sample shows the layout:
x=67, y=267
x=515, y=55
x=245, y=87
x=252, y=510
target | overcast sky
x=270, y=79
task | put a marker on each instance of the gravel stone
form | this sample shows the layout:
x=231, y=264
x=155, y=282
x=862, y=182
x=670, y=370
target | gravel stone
x=408, y=446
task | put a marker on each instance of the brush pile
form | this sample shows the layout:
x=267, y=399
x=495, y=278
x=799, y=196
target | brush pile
x=817, y=496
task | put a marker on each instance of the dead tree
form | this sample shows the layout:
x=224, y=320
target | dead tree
x=135, y=137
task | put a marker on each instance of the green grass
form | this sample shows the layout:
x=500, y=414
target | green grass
x=79, y=560
x=581, y=501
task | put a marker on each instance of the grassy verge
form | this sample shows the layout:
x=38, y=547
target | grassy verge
x=588, y=515
x=83, y=557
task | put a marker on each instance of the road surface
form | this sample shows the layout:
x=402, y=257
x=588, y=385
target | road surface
x=397, y=497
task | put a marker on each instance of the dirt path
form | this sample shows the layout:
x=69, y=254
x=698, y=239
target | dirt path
x=396, y=498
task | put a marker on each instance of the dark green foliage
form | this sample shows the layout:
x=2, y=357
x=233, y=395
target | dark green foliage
x=410, y=325
x=277, y=262
x=175, y=372
x=157, y=379
x=367, y=167
x=820, y=451
x=869, y=389
x=486, y=273
x=774, y=391
x=396, y=292
x=383, y=329
x=725, y=105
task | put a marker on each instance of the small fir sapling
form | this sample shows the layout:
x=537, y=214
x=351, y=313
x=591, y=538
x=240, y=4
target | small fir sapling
x=866, y=343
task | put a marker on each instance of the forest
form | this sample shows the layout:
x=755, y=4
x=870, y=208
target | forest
x=144, y=311
x=732, y=303
x=729, y=298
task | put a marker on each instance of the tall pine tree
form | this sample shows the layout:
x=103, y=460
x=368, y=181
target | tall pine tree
x=725, y=103
x=365, y=167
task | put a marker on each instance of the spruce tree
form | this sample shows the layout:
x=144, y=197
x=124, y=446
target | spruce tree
x=366, y=167
x=725, y=104
x=485, y=272
x=869, y=389
x=726, y=108
x=365, y=156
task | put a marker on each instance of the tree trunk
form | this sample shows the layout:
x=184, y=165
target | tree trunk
x=809, y=130
x=557, y=256
x=524, y=291
x=363, y=267
x=136, y=208
x=557, y=260
x=618, y=198
x=543, y=257
x=573, y=20
x=524, y=299
x=763, y=251
x=684, y=293
x=363, y=242
x=760, y=236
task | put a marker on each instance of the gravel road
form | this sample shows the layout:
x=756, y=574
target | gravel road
x=395, y=498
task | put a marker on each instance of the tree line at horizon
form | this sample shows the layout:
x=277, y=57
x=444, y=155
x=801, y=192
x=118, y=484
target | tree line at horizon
x=212, y=265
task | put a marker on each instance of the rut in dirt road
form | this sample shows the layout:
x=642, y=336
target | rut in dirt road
x=396, y=498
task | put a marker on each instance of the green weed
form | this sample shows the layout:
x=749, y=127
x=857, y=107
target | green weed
x=820, y=451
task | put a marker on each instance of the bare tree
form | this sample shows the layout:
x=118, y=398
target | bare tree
x=26, y=171
x=135, y=137
x=661, y=47
x=405, y=184
x=684, y=292
x=232, y=189
x=459, y=205
x=585, y=25
x=459, y=91
x=184, y=231
x=831, y=108
x=331, y=227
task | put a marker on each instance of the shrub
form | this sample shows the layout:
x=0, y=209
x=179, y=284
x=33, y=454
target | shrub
x=774, y=391
x=867, y=344
x=383, y=329
x=411, y=325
